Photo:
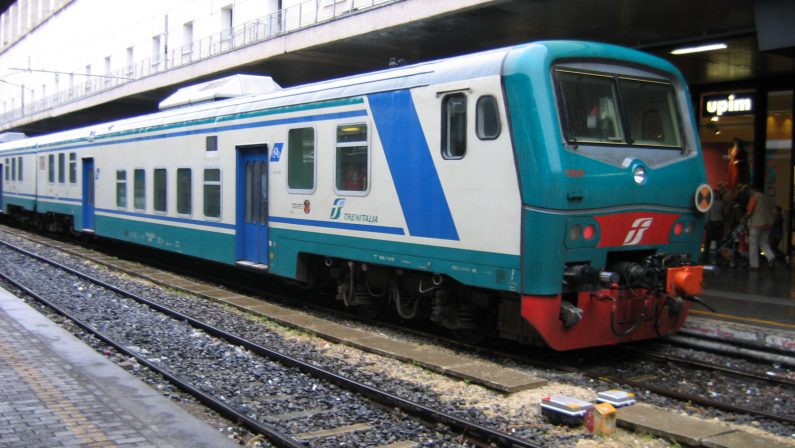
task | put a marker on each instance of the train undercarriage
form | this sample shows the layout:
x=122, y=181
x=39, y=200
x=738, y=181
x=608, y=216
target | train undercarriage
x=49, y=221
x=633, y=301
x=639, y=296
x=373, y=290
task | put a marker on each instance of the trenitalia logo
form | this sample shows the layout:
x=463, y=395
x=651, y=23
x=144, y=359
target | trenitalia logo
x=336, y=210
x=635, y=228
x=635, y=234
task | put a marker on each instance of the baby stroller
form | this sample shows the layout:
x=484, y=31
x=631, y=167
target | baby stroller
x=734, y=249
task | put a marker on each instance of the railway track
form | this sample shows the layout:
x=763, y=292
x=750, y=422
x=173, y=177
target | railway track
x=279, y=432
x=647, y=382
x=707, y=384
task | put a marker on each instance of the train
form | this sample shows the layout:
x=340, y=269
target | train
x=551, y=193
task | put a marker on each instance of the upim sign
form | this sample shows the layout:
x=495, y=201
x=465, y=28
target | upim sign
x=722, y=105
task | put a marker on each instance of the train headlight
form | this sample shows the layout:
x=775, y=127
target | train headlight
x=639, y=175
x=683, y=229
x=582, y=233
x=589, y=232
x=678, y=228
x=575, y=231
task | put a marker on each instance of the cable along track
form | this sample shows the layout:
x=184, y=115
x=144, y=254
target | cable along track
x=291, y=402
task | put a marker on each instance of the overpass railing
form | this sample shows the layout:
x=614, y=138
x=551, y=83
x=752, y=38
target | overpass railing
x=284, y=21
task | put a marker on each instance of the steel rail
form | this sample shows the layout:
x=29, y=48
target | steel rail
x=634, y=351
x=276, y=437
x=471, y=430
x=699, y=399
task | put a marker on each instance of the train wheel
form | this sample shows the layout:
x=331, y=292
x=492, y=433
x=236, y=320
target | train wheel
x=358, y=297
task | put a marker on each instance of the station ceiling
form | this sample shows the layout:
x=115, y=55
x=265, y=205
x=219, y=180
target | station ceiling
x=653, y=26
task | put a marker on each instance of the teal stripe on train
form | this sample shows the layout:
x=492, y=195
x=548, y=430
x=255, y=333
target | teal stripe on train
x=59, y=207
x=204, y=244
x=10, y=199
x=481, y=269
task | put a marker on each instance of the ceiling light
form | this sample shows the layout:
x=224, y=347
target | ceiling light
x=700, y=48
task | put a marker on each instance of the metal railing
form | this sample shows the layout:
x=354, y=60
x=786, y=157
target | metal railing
x=284, y=21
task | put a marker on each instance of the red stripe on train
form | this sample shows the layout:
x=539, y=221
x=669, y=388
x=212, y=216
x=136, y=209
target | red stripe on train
x=635, y=228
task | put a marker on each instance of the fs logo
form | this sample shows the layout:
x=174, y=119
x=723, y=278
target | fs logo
x=336, y=210
x=276, y=154
x=635, y=234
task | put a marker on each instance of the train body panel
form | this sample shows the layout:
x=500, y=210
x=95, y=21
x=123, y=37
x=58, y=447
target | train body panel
x=477, y=186
x=18, y=190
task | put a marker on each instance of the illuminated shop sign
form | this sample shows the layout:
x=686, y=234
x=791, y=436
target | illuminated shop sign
x=725, y=105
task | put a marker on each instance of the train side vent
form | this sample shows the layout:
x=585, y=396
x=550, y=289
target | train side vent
x=220, y=89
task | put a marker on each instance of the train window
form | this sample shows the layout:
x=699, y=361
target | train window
x=72, y=168
x=211, y=143
x=301, y=159
x=352, y=157
x=651, y=112
x=160, y=190
x=184, y=194
x=139, y=189
x=121, y=188
x=488, y=118
x=212, y=192
x=19, y=168
x=589, y=105
x=249, y=192
x=7, y=170
x=263, y=192
x=13, y=168
x=454, y=126
x=51, y=160
x=253, y=181
x=61, y=167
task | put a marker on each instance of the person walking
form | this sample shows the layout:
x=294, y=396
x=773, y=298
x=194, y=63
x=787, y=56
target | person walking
x=759, y=216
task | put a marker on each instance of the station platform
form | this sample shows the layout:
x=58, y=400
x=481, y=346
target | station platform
x=57, y=391
x=754, y=307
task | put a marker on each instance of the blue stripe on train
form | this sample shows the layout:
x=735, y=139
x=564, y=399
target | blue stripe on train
x=338, y=225
x=418, y=186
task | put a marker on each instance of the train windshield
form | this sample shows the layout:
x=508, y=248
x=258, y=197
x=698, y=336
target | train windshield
x=617, y=110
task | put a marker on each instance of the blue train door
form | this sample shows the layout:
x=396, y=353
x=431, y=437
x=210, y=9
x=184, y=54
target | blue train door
x=88, y=195
x=1, y=186
x=252, y=206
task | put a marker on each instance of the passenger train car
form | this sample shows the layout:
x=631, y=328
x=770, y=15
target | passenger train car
x=550, y=193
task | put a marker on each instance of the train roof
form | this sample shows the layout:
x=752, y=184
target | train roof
x=470, y=66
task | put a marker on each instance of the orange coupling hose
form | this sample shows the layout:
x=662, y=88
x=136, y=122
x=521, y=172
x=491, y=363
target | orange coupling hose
x=684, y=281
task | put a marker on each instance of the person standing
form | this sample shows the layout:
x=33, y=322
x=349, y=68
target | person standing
x=759, y=216
x=714, y=227
x=738, y=166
